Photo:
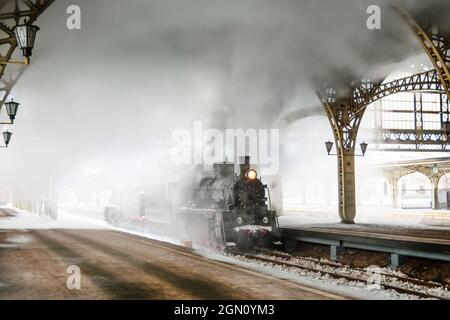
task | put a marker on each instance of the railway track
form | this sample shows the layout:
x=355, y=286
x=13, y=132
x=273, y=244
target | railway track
x=336, y=271
x=338, y=265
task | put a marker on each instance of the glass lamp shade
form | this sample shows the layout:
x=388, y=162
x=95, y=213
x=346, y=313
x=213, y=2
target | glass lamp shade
x=363, y=147
x=11, y=109
x=7, y=137
x=25, y=36
x=328, y=145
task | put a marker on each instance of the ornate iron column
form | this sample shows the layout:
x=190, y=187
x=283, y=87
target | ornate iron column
x=434, y=40
x=393, y=181
x=345, y=107
x=435, y=177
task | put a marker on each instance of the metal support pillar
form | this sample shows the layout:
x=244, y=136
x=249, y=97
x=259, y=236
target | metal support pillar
x=396, y=260
x=336, y=252
x=345, y=126
x=345, y=106
x=347, y=198
x=394, y=192
x=435, y=195
x=434, y=178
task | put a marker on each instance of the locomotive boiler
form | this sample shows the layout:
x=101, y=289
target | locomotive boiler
x=229, y=209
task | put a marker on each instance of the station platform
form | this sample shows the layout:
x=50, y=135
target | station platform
x=399, y=241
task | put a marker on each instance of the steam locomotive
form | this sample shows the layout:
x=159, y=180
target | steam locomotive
x=230, y=209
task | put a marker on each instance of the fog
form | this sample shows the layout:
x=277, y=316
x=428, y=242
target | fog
x=108, y=97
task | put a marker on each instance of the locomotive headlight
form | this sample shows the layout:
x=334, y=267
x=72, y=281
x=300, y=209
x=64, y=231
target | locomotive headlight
x=251, y=174
x=265, y=220
x=239, y=220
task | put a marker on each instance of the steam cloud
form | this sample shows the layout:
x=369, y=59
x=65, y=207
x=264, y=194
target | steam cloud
x=115, y=90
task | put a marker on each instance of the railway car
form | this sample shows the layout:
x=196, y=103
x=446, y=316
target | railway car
x=144, y=209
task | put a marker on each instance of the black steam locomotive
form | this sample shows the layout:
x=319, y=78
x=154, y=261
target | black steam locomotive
x=231, y=210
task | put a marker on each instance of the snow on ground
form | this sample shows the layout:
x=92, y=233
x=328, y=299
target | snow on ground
x=418, y=218
x=67, y=220
x=355, y=290
x=26, y=220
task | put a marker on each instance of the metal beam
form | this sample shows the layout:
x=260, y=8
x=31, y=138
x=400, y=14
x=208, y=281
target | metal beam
x=435, y=42
x=9, y=17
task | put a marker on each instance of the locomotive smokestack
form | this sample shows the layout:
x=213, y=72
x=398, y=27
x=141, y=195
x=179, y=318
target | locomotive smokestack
x=244, y=164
